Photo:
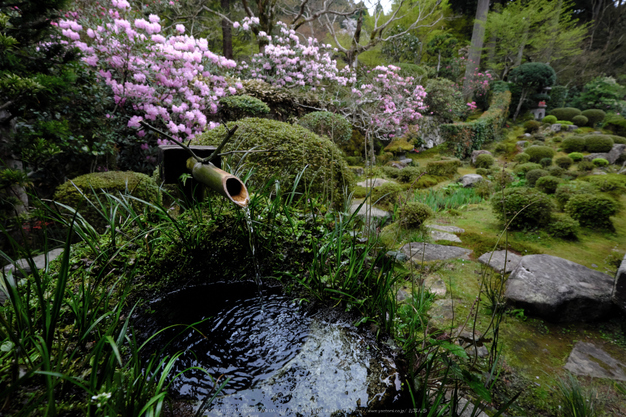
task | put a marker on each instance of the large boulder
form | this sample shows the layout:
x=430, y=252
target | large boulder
x=295, y=148
x=470, y=180
x=619, y=289
x=615, y=153
x=501, y=260
x=559, y=290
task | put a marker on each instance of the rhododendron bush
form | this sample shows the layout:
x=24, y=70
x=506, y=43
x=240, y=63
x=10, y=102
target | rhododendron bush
x=172, y=79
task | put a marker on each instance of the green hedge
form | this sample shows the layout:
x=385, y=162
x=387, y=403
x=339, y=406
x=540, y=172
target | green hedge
x=565, y=113
x=463, y=138
x=595, y=116
x=573, y=144
x=445, y=168
x=598, y=143
x=580, y=120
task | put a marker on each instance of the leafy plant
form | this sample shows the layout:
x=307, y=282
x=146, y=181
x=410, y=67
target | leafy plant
x=522, y=207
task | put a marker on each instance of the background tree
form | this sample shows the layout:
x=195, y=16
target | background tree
x=531, y=77
x=478, y=35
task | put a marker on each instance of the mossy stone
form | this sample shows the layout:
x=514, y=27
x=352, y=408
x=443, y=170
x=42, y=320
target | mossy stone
x=327, y=171
x=400, y=145
x=96, y=184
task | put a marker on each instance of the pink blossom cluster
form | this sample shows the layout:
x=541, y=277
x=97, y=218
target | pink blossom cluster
x=159, y=77
x=479, y=85
x=285, y=62
x=392, y=102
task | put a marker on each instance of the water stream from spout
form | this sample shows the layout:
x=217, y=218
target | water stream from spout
x=255, y=260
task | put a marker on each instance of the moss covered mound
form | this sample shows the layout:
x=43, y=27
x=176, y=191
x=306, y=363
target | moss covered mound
x=297, y=147
x=93, y=186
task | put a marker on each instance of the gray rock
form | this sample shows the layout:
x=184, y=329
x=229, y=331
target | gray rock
x=435, y=285
x=367, y=210
x=571, y=128
x=398, y=165
x=614, y=154
x=476, y=153
x=555, y=127
x=417, y=251
x=496, y=260
x=587, y=359
x=437, y=235
x=373, y=182
x=470, y=180
x=521, y=144
x=593, y=156
x=430, y=132
x=559, y=290
x=397, y=256
x=40, y=263
x=619, y=289
x=337, y=371
x=449, y=229
x=406, y=161
x=527, y=135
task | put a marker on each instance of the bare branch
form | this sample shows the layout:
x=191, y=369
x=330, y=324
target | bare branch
x=217, y=14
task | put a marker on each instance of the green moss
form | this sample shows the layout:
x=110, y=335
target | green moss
x=331, y=125
x=399, y=145
x=326, y=173
x=445, y=168
x=95, y=184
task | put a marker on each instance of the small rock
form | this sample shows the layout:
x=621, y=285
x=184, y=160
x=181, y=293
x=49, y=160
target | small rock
x=496, y=260
x=435, y=285
x=433, y=252
x=593, y=156
x=367, y=210
x=476, y=153
x=406, y=161
x=397, y=256
x=521, y=144
x=40, y=263
x=571, y=128
x=470, y=180
x=555, y=127
x=481, y=351
x=450, y=229
x=587, y=359
x=373, y=182
x=527, y=135
x=437, y=235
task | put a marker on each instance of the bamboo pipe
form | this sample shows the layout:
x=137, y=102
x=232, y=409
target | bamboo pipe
x=220, y=181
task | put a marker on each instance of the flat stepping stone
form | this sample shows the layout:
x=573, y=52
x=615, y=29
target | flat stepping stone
x=587, y=359
x=437, y=235
x=21, y=268
x=374, y=182
x=449, y=229
x=436, y=285
x=418, y=251
x=559, y=290
x=367, y=210
x=496, y=260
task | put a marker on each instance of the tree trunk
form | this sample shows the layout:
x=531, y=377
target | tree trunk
x=227, y=34
x=519, y=105
x=354, y=50
x=520, y=51
x=478, y=34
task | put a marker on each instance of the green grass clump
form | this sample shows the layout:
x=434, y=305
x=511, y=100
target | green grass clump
x=386, y=193
x=524, y=168
x=575, y=401
x=440, y=200
x=600, y=162
x=446, y=168
x=563, y=227
x=522, y=158
x=413, y=214
x=576, y=156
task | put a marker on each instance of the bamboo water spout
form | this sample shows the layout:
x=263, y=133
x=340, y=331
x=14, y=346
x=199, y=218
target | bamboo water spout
x=219, y=181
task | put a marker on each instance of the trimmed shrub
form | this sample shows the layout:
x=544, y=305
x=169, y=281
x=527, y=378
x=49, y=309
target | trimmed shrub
x=585, y=166
x=580, y=120
x=549, y=119
x=533, y=175
x=537, y=153
x=598, y=143
x=612, y=183
x=522, y=158
x=445, y=168
x=563, y=226
x=386, y=193
x=555, y=170
x=594, y=116
x=548, y=184
x=600, y=162
x=539, y=137
x=615, y=123
x=327, y=170
x=482, y=171
x=565, y=113
x=618, y=139
x=324, y=123
x=522, y=207
x=592, y=210
x=545, y=162
x=92, y=187
x=532, y=126
x=524, y=168
x=484, y=189
x=238, y=107
x=576, y=156
x=502, y=178
x=567, y=190
x=573, y=144
x=414, y=214
x=564, y=122
x=564, y=162
x=409, y=174
x=484, y=161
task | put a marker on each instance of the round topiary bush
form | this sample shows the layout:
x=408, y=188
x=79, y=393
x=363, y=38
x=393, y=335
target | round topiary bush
x=618, y=139
x=565, y=113
x=564, y=162
x=548, y=184
x=592, y=210
x=598, y=143
x=567, y=190
x=414, y=214
x=600, y=162
x=524, y=168
x=573, y=144
x=555, y=170
x=296, y=148
x=502, y=178
x=482, y=171
x=484, y=161
x=576, y=156
x=522, y=207
x=386, y=193
x=531, y=126
x=521, y=158
x=563, y=226
x=580, y=120
x=549, y=119
x=533, y=175
x=594, y=116
x=93, y=186
x=325, y=123
x=409, y=174
x=584, y=166
x=537, y=153
x=545, y=162
x=237, y=107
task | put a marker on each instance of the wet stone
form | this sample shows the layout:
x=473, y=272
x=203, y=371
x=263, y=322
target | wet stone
x=336, y=371
x=587, y=359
